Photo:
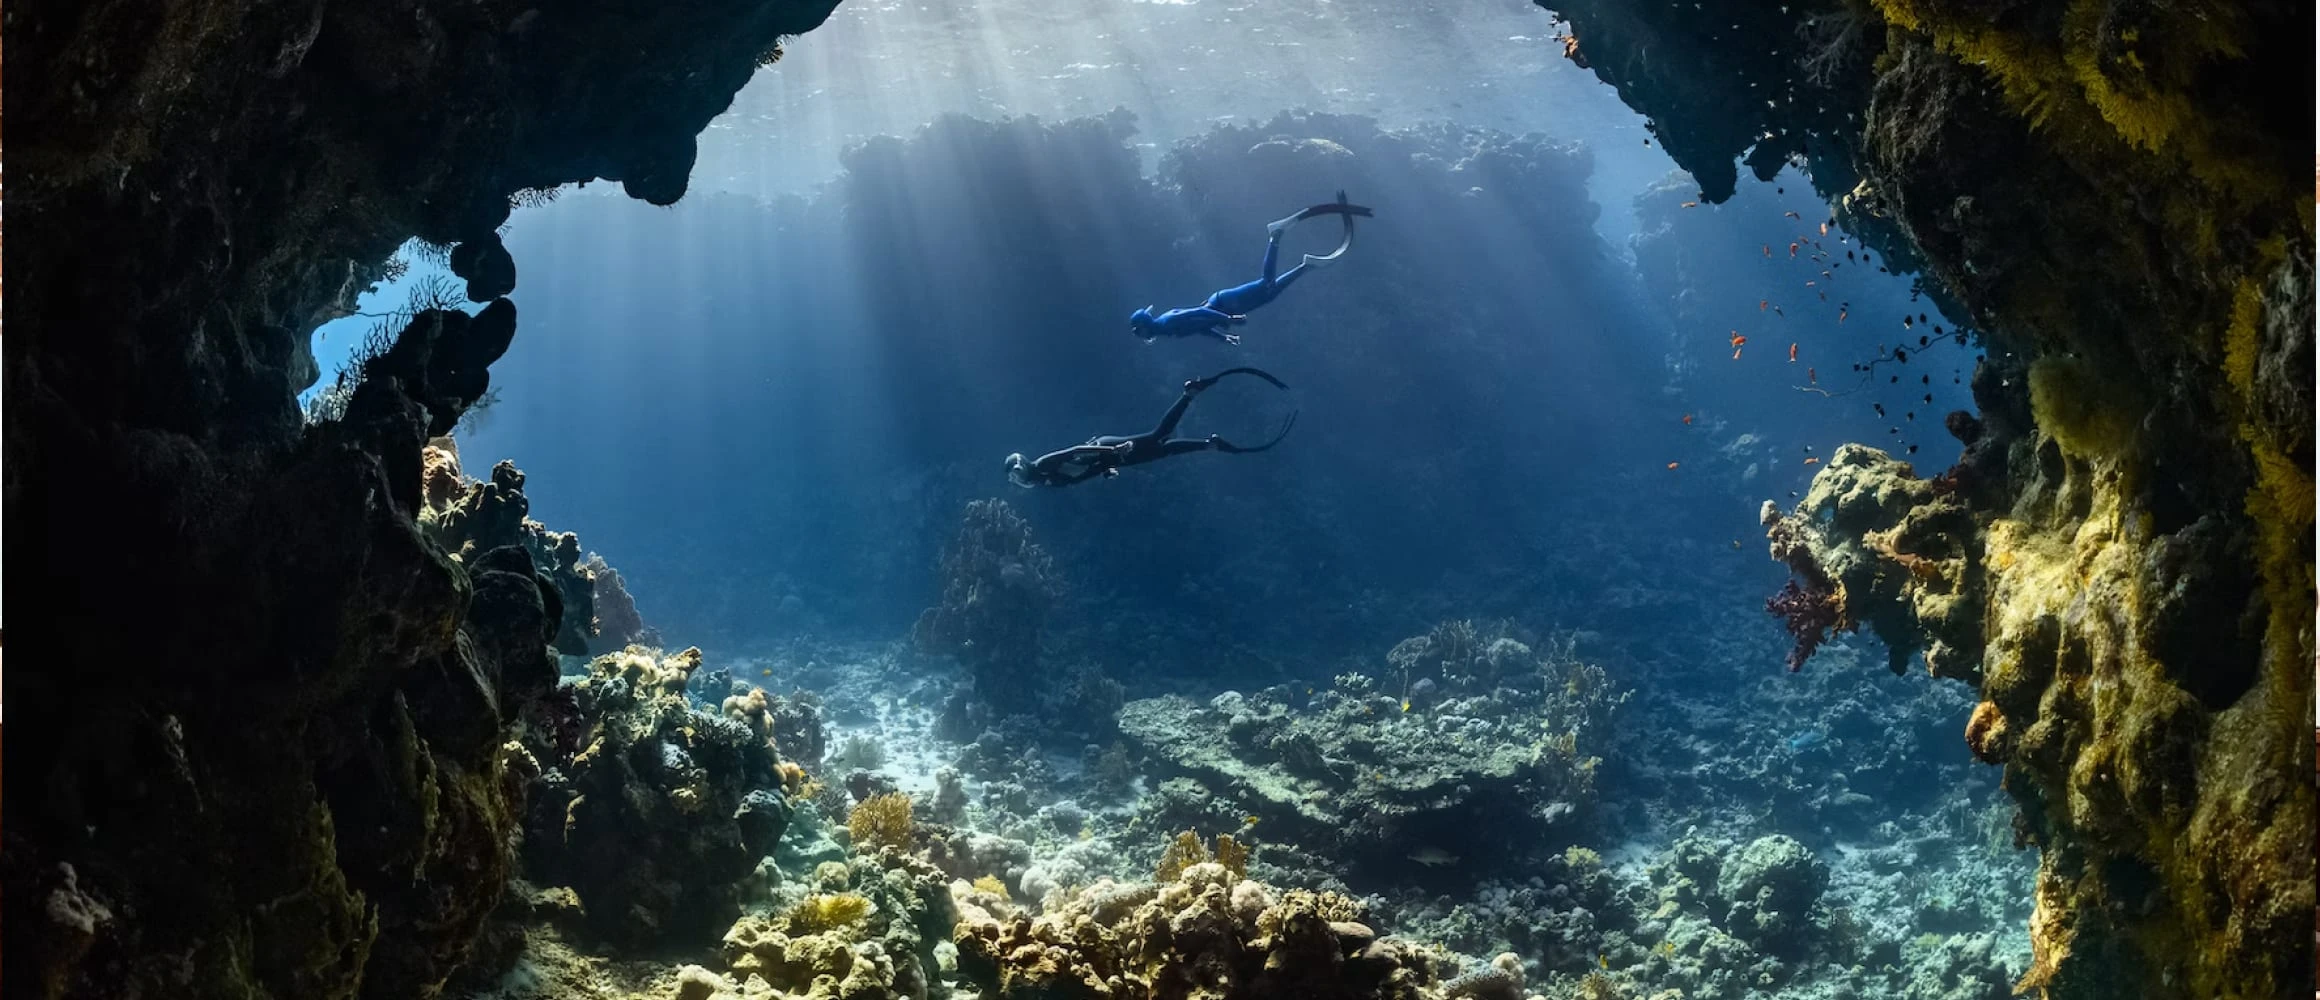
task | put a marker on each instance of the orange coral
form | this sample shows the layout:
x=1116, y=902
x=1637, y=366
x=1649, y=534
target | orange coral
x=1986, y=733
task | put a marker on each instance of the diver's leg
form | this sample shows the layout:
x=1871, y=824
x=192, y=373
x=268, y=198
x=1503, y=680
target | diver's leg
x=1108, y=440
x=1175, y=412
x=1239, y=299
x=1272, y=256
x=1186, y=446
x=1290, y=275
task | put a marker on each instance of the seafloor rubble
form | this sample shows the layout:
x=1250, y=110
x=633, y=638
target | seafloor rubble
x=2111, y=193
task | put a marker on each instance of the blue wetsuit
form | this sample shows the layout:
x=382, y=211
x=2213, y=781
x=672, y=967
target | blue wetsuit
x=1225, y=308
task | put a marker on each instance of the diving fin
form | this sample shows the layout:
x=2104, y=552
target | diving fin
x=1227, y=446
x=1258, y=372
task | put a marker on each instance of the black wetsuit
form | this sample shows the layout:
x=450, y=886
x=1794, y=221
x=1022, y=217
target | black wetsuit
x=1105, y=454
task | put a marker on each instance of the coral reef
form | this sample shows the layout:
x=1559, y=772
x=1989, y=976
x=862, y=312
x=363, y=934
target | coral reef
x=1874, y=544
x=661, y=812
x=1206, y=932
x=2111, y=194
x=997, y=585
x=1389, y=787
x=618, y=624
x=871, y=926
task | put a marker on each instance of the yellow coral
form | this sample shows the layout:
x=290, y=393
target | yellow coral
x=991, y=884
x=2239, y=338
x=1233, y=855
x=2087, y=415
x=883, y=821
x=1183, y=853
x=818, y=913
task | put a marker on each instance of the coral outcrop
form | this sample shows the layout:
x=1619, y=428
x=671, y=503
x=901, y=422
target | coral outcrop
x=618, y=623
x=296, y=787
x=868, y=927
x=660, y=810
x=997, y=585
x=1205, y=932
x=1491, y=753
x=2111, y=193
x=1889, y=550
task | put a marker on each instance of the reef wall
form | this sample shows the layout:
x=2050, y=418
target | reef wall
x=2112, y=193
x=268, y=755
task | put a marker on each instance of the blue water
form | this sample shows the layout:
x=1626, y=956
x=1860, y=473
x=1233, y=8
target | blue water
x=768, y=409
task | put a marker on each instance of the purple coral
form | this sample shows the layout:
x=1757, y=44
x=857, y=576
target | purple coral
x=1810, y=614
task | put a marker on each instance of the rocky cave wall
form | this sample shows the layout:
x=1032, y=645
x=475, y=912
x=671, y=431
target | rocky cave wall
x=260, y=745
x=2111, y=192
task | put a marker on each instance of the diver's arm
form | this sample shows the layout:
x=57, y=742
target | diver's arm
x=1215, y=315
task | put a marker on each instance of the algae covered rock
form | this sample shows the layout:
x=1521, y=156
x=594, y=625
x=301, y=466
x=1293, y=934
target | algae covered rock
x=1893, y=551
x=1770, y=887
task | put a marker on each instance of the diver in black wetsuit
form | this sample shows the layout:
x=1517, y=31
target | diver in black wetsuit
x=1106, y=455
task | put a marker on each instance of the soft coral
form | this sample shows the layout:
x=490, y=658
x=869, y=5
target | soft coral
x=1811, y=612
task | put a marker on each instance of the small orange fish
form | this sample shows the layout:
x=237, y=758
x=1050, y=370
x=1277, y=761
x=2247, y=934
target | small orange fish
x=1793, y=215
x=1737, y=339
x=1691, y=204
x=1813, y=460
x=1792, y=250
x=1792, y=354
x=1570, y=46
x=1672, y=465
x=1824, y=229
x=1687, y=420
x=1762, y=304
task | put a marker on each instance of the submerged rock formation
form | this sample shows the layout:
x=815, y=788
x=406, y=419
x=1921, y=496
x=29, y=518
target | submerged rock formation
x=997, y=584
x=267, y=759
x=1485, y=755
x=2112, y=192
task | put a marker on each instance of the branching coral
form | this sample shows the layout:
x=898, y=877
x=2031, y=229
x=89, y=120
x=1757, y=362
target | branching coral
x=881, y=821
x=819, y=913
x=1187, y=850
x=1809, y=615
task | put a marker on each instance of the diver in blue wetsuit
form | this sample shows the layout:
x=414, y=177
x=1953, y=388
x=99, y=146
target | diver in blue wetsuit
x=1231, y=306
x=1107, y=454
